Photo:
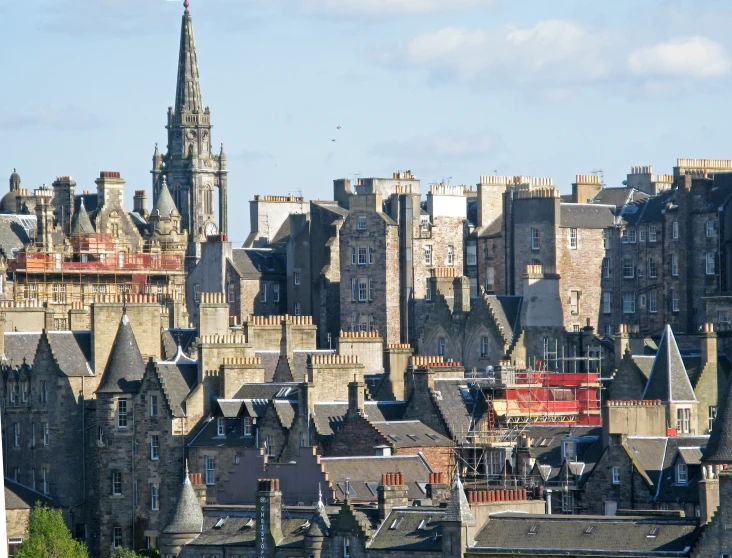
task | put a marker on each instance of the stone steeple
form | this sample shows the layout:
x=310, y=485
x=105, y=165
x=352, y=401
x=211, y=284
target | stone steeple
x=188, y=90
x=458, y=509
x=82, y=223
x=669, y=380
x=125, y=367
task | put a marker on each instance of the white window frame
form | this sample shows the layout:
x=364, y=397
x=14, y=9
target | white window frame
x=362, y=255
x=153, y=405
x=371, y=290
x=353, y=255
x=710, y=228
x=535, y=238
x=247, y=424
x=652, y=233
x=122, y=414
x=16, y=434
x=652, y=268
x=263, y=291
x=450, y=254
x=642, y=234
x=606, y=269
x=231, y=293
x=607, y=302
x=674, y=265
x=296, y=309
x=472, y=254
x=45, y=431
x=682, y=473
x=441, y=346
x=710, y=260
x=46, y=482
x=362, y=290
x=116, y=537
x=269, y=445
x=116, y=483
x=210, y=466
x=484, y=344
x=628, y=302
x=428, y=290
x=675, y=300
x=683, y=420
x=220, y=427
x=154, y=497
x=428, y=254
x=154, y=447
x=711, y=416
x=616, y=475
x=354, y=289
x=674, y=230
x=363, y=223
x=628, y=266
x=632, y=235
x=653, y=301
x=573, y=239
x=371, y=255
x=296, y=277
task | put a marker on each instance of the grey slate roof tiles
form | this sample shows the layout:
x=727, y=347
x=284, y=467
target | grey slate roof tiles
x=72, y=350
x=458, y=509
x=188, y=516
x=586, y=216
x=418, y=530
x=719, y=448
x=668, y=380
x=125, y=367
x=178, y=379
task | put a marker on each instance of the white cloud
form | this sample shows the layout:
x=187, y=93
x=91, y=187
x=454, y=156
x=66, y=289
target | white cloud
x=58, y=118
x=558, y=55
x=381, y=8
x=691, y=56
x=552, y=52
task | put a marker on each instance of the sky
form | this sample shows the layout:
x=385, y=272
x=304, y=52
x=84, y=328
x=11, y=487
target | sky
x=449, y=89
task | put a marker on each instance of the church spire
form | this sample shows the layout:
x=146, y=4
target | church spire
x=188, y=89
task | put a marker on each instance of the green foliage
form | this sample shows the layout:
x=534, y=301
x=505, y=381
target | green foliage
x=150, y=553
x=48, y=536
x=125, y=553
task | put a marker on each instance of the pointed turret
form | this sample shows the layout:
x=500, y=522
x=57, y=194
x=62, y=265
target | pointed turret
x=222, y=156
x=125, y=367
x=157, y=159
x=187, y=519
x=164, y=205
x=188, y=90
x=82, y=223
x=458, y=509
x=669, y=380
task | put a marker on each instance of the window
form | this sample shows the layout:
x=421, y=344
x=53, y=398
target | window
x=573, y=239
x=247, y=426
x=371, y=255
x=606, y=268
x=535, y=239
x=606, y=237
x=642, y=301
x=674, y=301
x=484, y=346
x=683, y=420
x=16, y=434
x=296, y=310
x=33, y=434
x=353, y=255
x=628, y=303
x=117, y=483
x=569, y=450
x=711, y=259
x=441, y=346
x=642, y=234
x=268, y=445
x=46, y=482
x=652, y=268
x=712, y=417
x=221, y=426
x=567, y=502
x=674, y=265
x=472, y=254
x=362, y=223
x=153, y=405
x=197, y=292
x=263, y=292
x=45, y=432
x=490, y=279
x=450, y=255
x=13, y=545
x=428, y=290
x=675, y=230
x=302, y=439
x=276, y=291
x=428, y=255
x=609, y=331
x=363, y=322
x=210, y=470
x=24, y=391
x=362, y=290
x=346, y=547
x=295, y=279
x=154, y=447
x=154, y=500
x=710, y=229
x=371, y=290
x=653, y=301
x=651, y=233
x=682, y=473
x=371, y=323
x=574, y=298
x=59, y=292
x=362, y=255
x=354, y=289
x=100, y=435
x=628, y=268
x=117, y=537
x=616, y=475
x=607, y=302
x=122, y=413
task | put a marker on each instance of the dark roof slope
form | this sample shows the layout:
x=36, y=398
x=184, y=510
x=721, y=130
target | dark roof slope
x=253, y=263
x=19, y=497
x=418, y=530
x=71, y=349
x=719, y=448
x=619, y=196
x=125, y=367
x=586, y=216
x=329, y=415
x=81, y=222
x=411, y=434
x=177, y=379
x=188, y=516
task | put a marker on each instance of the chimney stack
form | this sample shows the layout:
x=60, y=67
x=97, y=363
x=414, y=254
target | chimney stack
x=621, y=342
x=356, y=397
x=392, y=493
x=286, y=348
x=140, y=203
x=708, y=345
x=269, y=515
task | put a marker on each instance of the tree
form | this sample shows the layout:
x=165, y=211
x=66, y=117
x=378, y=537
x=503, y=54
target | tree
x=48, y=536
x=125, y=553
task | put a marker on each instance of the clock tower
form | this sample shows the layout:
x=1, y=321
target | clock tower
x=192, y=171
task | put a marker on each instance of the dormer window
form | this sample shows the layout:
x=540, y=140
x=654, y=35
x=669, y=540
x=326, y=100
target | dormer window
x=569, y=450
x=682, y=473
x=221, y=426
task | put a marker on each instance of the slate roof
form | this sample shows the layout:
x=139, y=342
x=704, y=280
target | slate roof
x=72, y=350
x=644, y=364
x=240, y=530
x=360, y=470
x=255, y=263
x=411, y=434
x=668, y=489
x=171, y=338
x=81, y=222
x=586, y=216
x=229, y=408
x=332, y=206
x=546, y=447
x=507, y=310
x=164, y=205
x=669, y=380
x=299, y=363
x=286, y=410
x=178, y=379
x=619, y=196
x=208, y=436
x=458, y=509
x=16, y=232
x=406, y=535
x=20, y=497
x=457, y=410
x=719, y=448
x=649, y=210
x=691, y=455
x=568, y=533
x=266, y=391
x=329, y=415
x=188, y=516
x=125, y=367
x=649, y=455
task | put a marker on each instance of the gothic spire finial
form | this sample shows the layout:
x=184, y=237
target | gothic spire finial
x=320, y=497
x=186, y=4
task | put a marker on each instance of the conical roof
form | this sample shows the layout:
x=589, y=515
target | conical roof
x=188, y=89
x=669, y=380
x=125, y=367
x=187, y=517
x=458, y=509
x=82, y=223
x=320, y=523
x=164, y=205
x=719, y=447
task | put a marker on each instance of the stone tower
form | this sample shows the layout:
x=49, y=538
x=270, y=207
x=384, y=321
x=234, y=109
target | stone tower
x=192, y=171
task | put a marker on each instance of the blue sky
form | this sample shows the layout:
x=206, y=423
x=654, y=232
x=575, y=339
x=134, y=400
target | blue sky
x=450, y=89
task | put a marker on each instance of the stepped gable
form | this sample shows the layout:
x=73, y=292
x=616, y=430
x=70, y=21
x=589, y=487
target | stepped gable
x=669, y=380
x=719, y=447
x=125, y=367
x=188, y=516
